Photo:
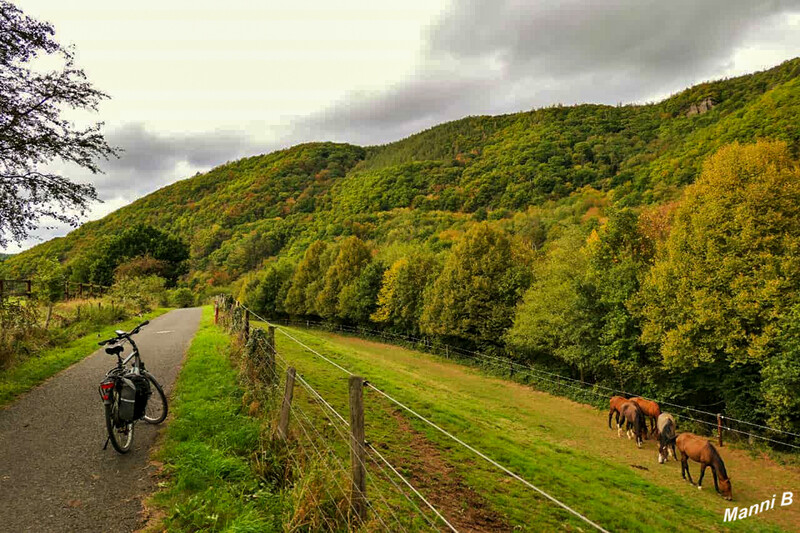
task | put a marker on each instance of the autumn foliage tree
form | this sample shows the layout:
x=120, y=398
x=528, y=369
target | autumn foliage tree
x=352, y=257
x=307, y=280
x=730, y=270
x=476, y=294
x=402, y=292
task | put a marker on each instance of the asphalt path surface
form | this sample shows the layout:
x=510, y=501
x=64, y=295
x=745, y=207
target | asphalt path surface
x=54, y=473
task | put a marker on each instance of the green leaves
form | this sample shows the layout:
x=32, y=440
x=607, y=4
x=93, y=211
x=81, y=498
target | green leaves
x=730, y=269
x=475, y=296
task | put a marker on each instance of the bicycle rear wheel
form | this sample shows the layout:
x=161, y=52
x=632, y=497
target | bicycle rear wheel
x=157, y=408
x=121, y=437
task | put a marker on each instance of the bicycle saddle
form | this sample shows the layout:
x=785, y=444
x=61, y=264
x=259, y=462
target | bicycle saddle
x=114, y=350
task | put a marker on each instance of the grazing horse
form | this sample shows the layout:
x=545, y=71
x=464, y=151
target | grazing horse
x=635, y=423
x=651, y=409
x=615, y=403
x=700, y=450
x=666, y=438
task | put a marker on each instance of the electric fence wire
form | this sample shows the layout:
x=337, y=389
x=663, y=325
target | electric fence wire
x=450, y=435
x=298, y=410
x=528, y=369
x=330, y=452
x=344, y=437
x=317, y=395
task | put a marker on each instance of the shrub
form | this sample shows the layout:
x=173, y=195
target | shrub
x=141, y=294
x=182, y=297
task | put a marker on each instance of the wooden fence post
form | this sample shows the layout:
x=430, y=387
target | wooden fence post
x=358, y=494
x=286, y=406
x=246, y=329
x=271, y=340
x=216, y=313
x=719, y=429
x=1, y=289
x=28, y=283
x=80, y=290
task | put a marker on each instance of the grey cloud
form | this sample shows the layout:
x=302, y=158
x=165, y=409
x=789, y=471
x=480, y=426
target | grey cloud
x=151, y=160
x=570, y=36
x=498, y=56
x=147, y=152
x=380, y=117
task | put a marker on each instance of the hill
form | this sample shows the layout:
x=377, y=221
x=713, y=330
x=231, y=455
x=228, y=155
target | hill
x=241, y=213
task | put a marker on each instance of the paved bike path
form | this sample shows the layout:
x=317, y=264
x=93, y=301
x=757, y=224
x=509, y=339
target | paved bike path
x=54, y=474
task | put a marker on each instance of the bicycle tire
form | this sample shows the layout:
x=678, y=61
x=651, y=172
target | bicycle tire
x=114, y=433
x=157, y=396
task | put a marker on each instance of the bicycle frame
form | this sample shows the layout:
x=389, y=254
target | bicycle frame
x=138, y=364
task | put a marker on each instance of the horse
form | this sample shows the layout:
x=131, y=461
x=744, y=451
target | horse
x=634, y=420
x=666, y=438
x=700, y=450
x=651, y=409
x=615, y=403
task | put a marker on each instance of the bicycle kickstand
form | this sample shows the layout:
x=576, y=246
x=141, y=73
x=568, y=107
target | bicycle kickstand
x=108, y=439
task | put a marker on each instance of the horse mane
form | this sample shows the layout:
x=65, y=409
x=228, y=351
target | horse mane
x=718, y=463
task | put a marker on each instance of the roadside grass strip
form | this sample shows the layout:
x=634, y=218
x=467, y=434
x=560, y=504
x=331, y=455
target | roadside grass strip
x=24, y=376
x=209, y=481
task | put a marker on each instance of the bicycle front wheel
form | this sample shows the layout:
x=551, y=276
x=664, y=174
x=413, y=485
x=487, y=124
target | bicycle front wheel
x=156, y=410
x=121, y=436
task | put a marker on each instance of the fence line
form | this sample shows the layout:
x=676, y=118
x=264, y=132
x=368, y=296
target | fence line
x=295, y=409
x=443, y=431
x=327, y=404
x=528, y=369
x=335, y=424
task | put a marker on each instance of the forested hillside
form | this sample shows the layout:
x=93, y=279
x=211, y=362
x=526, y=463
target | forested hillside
x=571, y=237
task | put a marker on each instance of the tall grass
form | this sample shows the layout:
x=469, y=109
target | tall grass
x=222, y=470
x=76, y=342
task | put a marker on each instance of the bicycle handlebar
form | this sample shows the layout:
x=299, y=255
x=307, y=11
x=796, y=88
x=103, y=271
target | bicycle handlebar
x=134, y=331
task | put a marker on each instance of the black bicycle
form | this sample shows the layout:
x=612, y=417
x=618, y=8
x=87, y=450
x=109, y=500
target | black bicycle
x=127, y=392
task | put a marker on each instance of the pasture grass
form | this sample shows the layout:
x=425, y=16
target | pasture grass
x=36, y=368
x=561, y=446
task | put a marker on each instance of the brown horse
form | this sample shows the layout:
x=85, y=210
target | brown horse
x=700, y=450
x=650, y=409
x=666, y=438
x=615, y=403
x=634, y=420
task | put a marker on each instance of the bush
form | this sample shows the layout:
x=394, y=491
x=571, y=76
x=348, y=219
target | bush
x=182, y=297
x=140, y=294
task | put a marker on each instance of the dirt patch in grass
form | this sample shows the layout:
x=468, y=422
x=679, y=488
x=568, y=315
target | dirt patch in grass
x=467, y=510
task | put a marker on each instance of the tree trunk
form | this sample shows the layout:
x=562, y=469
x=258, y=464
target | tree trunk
x=49, y=315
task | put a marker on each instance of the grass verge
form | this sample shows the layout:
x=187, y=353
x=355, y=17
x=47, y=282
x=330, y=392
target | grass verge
x=209, y=448
x=32, y=371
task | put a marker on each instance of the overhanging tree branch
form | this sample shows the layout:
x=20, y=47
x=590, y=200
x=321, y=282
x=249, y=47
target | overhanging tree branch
x=33, y=132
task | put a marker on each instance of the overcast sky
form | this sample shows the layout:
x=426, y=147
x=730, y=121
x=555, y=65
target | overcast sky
x=196, y=83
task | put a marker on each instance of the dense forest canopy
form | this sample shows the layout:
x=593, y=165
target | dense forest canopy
x=651, y=247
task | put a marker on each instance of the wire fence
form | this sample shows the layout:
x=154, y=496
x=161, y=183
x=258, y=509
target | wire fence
x=337, y=419
x=593, y=393
x=322, y=444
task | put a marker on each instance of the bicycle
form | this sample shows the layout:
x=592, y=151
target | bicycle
x=120, y=430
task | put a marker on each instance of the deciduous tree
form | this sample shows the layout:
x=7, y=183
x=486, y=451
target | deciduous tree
x=34, y=132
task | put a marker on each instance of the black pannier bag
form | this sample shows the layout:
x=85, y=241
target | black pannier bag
x=126, y=407
x=142, y=385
